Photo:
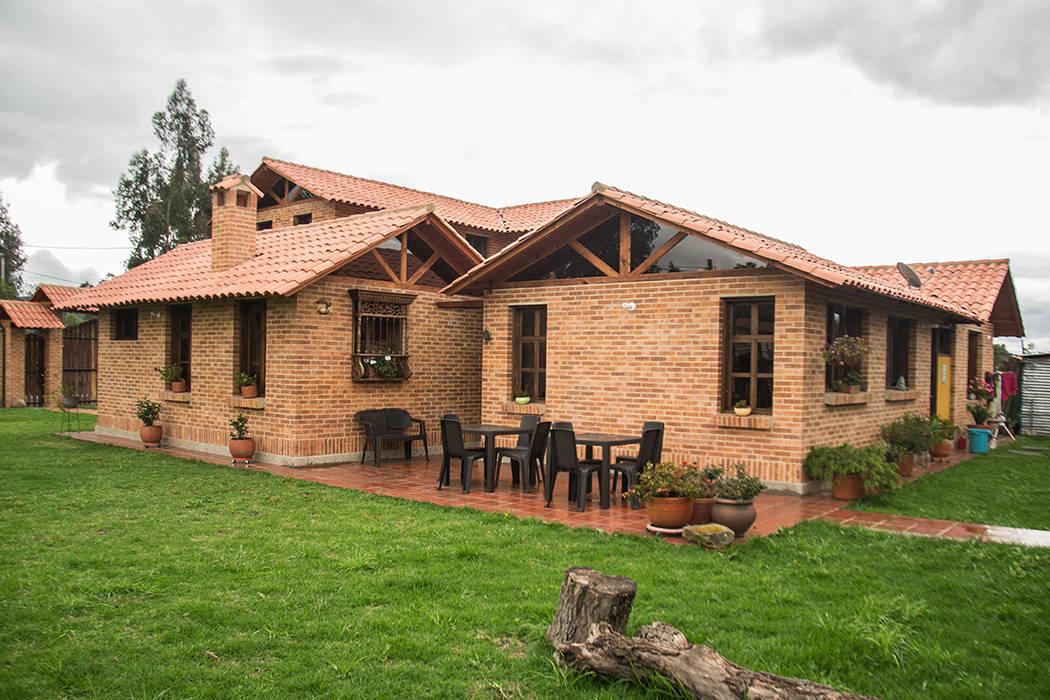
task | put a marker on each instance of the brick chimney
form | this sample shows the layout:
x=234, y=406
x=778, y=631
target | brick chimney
x=234, y=200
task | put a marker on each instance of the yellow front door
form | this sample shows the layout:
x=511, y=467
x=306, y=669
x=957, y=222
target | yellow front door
x=943, y=387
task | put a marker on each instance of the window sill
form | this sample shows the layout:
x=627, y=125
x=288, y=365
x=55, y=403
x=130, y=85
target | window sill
x=177, y=397
x=752, y=422
x=835, y=398
x=527, y=409
x=379, y=379
x=256, y=404
x=896, y=395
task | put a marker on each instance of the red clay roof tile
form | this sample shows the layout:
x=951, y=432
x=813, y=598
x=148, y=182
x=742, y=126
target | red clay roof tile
x=972, y=285
x=286, y=260
x=361, y=191
x=30, y=314
x=56, y=293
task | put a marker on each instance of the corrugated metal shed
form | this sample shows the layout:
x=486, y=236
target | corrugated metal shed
x=1035, y=394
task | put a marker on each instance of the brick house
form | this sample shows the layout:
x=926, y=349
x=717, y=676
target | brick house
x=609, y=309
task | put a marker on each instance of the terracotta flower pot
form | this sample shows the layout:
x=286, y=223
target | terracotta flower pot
x=151, y=434
x=242, y=448
x=178, y=386
x=701, y=511
x=849, y=388
x=669, y=512
x=250, y=391
x=738, y=516
x=847, y=488
x=941, y=450
x=906, y=465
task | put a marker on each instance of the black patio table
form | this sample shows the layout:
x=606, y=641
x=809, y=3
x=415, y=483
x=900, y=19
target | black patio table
x=490, y=432
x=606, y=442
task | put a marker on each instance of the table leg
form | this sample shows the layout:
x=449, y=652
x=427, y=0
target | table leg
x=490, y=463
x=603, y=479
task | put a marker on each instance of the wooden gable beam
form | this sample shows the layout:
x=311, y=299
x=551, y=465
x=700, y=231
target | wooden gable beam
x=382, y=263
x=422, y=270
x=592, y=258
x=658, y=253
x=404, y=257
x=625, y=243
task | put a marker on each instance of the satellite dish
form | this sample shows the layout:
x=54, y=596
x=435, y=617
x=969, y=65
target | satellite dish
x=909, y=274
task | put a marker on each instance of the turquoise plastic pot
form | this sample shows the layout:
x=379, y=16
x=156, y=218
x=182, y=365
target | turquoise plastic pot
x=979, y=438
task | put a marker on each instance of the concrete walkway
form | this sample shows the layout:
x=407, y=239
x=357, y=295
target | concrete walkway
x=416, y=480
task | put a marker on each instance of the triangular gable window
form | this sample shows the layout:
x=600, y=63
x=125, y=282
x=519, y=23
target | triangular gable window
x=564, y=263
x=423, y=266
x=690, y=254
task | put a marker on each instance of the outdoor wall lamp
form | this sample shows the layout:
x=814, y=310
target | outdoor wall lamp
x=486, y=336
x=323, y=307
x=629, y=305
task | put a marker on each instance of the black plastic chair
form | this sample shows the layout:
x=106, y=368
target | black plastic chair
x=390, y=425
x=562, y=458
x=519, y=452
x=650, y=450
x=452, y=444
x=531, y=461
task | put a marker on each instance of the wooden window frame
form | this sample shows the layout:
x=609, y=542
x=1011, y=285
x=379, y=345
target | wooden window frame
x=729, y=338
x=536, y=340
x=894, y=325
x=830, y=380
x=303, y=219
x=252, y=336
x=380, y=307
x=126, y=324
x=973, y=355
x=177, y=334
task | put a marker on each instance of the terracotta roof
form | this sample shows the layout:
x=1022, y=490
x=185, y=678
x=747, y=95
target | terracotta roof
x=286, y=260
x=31, y=314
x=56, y=293
x=972, y=285
x=350, y=189
x=236, y=180
x=779, y=253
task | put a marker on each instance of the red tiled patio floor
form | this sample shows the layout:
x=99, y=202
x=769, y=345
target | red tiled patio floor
x=416, y=480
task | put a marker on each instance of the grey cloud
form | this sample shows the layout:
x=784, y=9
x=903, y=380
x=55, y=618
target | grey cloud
x=967, y=52
x=43, y=267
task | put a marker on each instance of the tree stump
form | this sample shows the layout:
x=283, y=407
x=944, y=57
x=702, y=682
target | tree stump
x=584, y=640
x=587, y=597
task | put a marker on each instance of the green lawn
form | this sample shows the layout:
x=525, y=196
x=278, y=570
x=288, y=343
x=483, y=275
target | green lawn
x=998, y=488
x=128, y=574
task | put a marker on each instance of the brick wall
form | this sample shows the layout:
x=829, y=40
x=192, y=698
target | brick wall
x=15, y=389
x=310, y=400
x=960, y=366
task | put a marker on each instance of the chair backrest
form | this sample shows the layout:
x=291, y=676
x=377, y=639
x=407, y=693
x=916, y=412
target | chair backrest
x=452, y=435
x=528, y=422
x=563, y=447
x=397, y=418
x=538, y=444
x=649, y=450
x=657, y=454
x=373, y=417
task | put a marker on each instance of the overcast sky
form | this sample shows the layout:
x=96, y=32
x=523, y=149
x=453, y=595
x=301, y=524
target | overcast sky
x=868, y=132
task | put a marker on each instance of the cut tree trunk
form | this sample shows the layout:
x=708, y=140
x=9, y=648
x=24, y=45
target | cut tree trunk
x=657, y=648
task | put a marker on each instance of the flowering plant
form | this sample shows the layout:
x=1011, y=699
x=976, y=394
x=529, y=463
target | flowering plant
x=844, y=355
x=665, y=480
x=385, y=364
x=706, y=481
x=980, y=389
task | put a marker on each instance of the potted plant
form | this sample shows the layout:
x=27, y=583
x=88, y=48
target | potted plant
x=522, y=397
x=941, y=430
x=69, y=396
x=979, y=390
x=734, y=500
x=703, y=492
x=148, y=412
x=247, y=384
x=851, y=470
x=667, y=489
x=742, y=408
x=845, y=355
x=242, y=447
x=906, y=437
x=172, y=374
x=384, y=364
x=981, y=413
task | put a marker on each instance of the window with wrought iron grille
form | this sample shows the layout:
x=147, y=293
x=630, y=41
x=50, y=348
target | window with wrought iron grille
x=380, y=335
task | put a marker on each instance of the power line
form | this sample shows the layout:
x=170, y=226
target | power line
x=78, y=247
x=54, y=277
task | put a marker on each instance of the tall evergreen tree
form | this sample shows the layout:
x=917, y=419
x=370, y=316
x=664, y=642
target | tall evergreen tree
x=11, y=253
x=162, y=200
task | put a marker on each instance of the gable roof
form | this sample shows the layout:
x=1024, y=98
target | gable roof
x=30, y=314
x=781, y=254
x=360, y=191
x=982, y=287
x=286, y=260
x=60, y=293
